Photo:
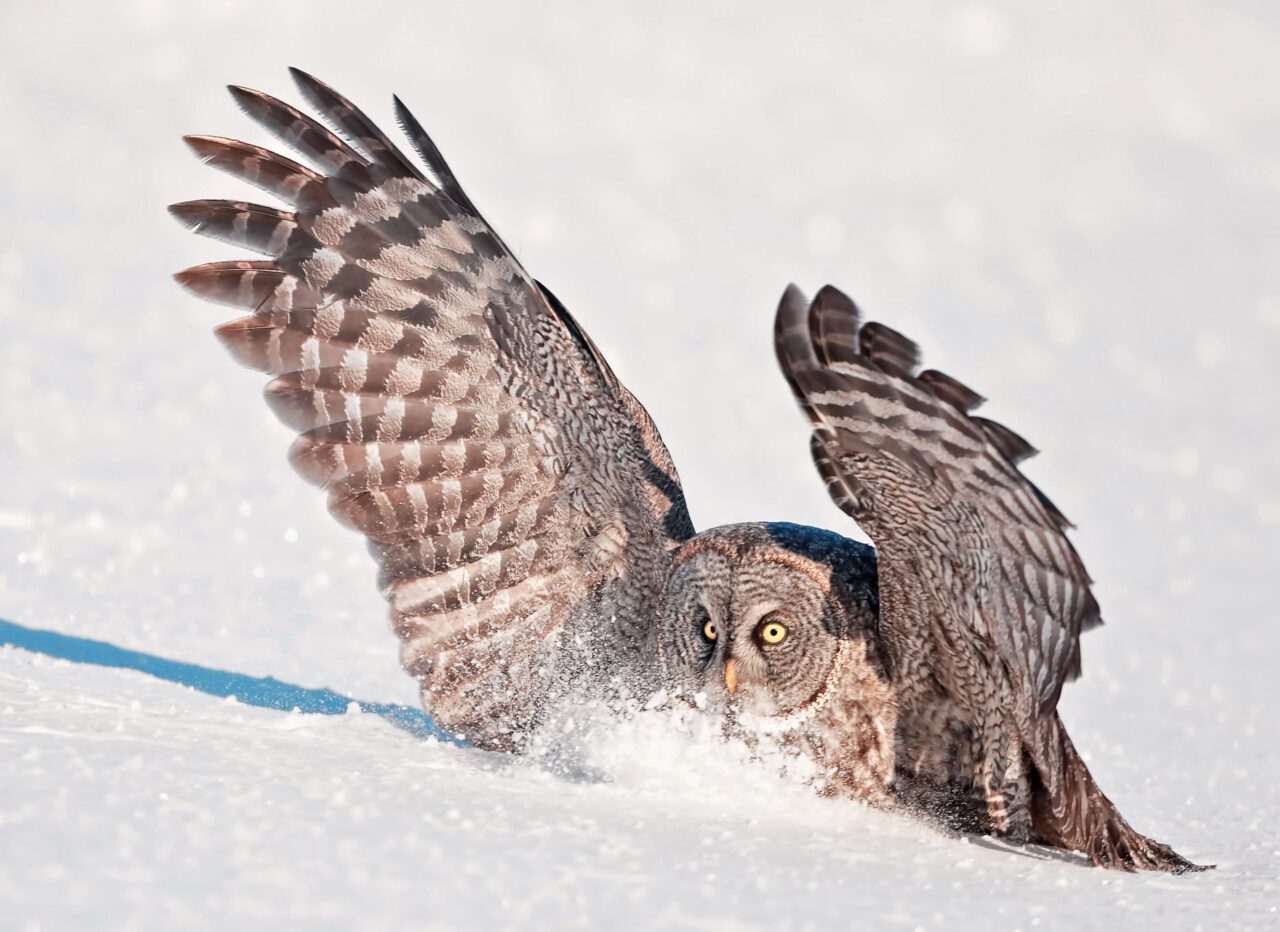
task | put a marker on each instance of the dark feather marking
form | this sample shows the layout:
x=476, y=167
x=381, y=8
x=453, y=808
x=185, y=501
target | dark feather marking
x=1011, y=446
x=888, y=350
x=952, y=391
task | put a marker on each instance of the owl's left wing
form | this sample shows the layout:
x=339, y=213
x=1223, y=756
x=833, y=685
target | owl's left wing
x=939, y=492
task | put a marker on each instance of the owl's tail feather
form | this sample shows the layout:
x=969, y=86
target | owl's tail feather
x=1070, y=811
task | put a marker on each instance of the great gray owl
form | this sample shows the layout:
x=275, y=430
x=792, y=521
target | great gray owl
x=532, y=533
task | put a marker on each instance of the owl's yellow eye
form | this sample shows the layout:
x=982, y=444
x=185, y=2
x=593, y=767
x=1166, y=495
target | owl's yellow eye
x=772, y=632
x=709, y=630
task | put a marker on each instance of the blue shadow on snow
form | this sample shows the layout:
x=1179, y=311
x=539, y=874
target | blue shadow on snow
x=264, y=692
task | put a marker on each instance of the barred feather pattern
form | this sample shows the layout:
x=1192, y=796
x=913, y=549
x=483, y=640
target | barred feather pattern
x=982, y=596
x=902, y=454
x=517, y=497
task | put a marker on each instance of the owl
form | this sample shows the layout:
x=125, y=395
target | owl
x=531, y=532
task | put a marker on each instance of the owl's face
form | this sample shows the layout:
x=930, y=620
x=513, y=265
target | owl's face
x=756, y=628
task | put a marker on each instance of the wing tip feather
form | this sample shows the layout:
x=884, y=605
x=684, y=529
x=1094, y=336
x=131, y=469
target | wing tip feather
x=185, y=213
x=898, y=356
x=244, y=96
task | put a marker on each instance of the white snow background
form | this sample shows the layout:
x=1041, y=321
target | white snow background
x=1075, y=209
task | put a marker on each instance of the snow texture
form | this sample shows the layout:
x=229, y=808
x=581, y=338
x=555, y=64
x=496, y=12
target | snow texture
x=1075, y=210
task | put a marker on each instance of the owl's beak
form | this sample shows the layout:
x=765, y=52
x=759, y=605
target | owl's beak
x=731, y=677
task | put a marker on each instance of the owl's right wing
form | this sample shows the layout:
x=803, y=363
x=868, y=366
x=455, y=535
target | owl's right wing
x=516, y=495
x=939, y=492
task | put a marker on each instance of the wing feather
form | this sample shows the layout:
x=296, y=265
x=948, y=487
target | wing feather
x=514, y=493
x=939, y=489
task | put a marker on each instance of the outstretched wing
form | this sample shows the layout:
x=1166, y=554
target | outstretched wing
x=511, y=488
x=939, y=492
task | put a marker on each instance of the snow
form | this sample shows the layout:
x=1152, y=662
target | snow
x=1074, y=211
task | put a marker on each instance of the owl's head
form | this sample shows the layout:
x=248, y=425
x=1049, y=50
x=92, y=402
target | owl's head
x=761, y=617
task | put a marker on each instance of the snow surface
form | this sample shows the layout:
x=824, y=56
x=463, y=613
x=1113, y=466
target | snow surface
x=1074, y=211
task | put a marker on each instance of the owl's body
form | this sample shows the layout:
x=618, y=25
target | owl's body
x=532, y=533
